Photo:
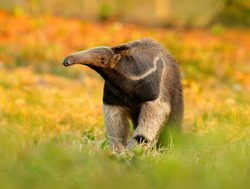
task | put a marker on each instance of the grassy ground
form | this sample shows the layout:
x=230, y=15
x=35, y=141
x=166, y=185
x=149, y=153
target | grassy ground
x=51, y=124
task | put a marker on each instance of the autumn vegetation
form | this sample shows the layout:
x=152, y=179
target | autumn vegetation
x=51, y=123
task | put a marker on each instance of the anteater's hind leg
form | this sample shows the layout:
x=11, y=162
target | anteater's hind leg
x=117, y=126
x=151, y=120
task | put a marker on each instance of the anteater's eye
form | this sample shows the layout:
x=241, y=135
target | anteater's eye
x=103, y=60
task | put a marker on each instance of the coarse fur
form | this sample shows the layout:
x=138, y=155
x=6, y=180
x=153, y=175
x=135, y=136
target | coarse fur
x=142, y=83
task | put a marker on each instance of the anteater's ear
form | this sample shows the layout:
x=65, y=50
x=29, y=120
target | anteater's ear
x=121, y=49
x=115, y=59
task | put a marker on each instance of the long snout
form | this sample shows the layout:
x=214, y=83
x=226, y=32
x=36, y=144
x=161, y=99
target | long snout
x=87, y=57
x=82, y=57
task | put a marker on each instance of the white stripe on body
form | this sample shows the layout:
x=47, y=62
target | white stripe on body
x=147, y=73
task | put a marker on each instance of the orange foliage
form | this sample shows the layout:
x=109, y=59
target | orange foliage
x=74, y=33
x=70, y=34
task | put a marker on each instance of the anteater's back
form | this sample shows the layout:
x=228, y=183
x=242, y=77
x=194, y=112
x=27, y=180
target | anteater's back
x=175, y=92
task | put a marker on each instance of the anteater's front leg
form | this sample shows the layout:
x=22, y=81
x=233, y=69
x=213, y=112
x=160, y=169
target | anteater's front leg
x=117, y=126
x=152, y=118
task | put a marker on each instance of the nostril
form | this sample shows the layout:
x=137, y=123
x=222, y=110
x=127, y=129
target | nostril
x=66, y=62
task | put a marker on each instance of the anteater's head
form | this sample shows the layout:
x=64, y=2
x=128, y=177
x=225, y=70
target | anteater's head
x=99, y=57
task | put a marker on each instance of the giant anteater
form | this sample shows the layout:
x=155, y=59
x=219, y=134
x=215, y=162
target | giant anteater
x=142, y=84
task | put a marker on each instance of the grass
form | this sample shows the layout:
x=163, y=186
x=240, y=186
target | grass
x=51, y=124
